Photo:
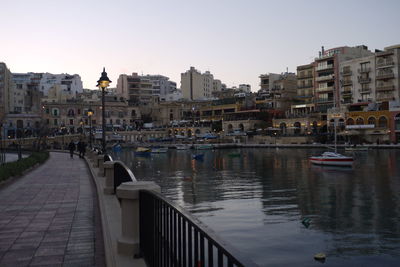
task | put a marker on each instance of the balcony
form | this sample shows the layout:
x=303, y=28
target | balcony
x=324, y=67
x=305, y=86
x=324, y=100
x=385, y=75
x=364, y=70
x=384, y=63
x=347, y=82
x=324, y=89
x=347, y=73
x=364, y=79
x=385, y=88
x=305, y=76
x=346, y=93
x=384, y=97
x=325, y=77
x=364, y=90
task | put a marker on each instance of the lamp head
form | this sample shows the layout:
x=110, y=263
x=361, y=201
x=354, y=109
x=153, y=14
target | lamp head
x=90, y=112
x=104, y=81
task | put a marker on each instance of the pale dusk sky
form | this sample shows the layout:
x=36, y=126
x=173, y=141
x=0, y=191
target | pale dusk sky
x=235, y=40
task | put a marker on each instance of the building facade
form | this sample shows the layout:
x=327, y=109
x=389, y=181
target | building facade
x=198, y=86
x=5, y=89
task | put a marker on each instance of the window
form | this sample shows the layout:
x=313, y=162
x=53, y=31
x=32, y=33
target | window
x=350, y=121
x=382, y=122
x=360, y=121
x=55, y=122
x=372, y=120
x=71, y=122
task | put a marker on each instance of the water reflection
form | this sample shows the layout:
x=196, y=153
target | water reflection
x=258, y=198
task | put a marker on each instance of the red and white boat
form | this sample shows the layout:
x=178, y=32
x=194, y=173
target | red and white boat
x=332, y=159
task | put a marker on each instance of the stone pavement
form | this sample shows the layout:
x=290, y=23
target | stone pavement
x=50, y=217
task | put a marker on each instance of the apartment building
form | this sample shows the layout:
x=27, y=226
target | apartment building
x=277, y=90
x=5, y=89
x=136, y=89
x=327, y=76
x=71, y=84
x=25, y=96
x=303, y=101
x=372, y=78
x=162, y=86
x=196, y=85
x=388, y=74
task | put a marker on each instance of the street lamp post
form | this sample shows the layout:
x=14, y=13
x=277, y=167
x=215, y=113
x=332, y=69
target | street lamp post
x=90, y=114
x=103, y=83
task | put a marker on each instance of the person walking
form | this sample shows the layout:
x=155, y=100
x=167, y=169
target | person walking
x=71, y=148
x=82, y=148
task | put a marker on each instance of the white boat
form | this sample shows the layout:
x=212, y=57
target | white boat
x=182, y=147
x=332, y=159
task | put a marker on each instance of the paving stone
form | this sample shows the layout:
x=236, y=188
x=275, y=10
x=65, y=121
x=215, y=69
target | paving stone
x=47, y=260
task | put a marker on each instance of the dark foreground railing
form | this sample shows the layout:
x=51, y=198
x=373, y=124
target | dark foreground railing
x=107, y=157
x=170, y=236
x=122, y=174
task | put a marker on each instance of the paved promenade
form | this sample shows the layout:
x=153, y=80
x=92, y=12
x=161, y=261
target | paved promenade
x=50, y=217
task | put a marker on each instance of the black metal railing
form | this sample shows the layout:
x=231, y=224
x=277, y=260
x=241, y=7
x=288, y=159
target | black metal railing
x=107, y=157
x=122, y=174
x=170, y=236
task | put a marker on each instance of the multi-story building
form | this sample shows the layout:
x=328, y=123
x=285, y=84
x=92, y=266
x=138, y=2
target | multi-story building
x=5, y=88
x=278, y=90
x=327, y=74
x=68, y=83
x=246, y=88
x=303, y=102
x=197, y=86
x=388, y=74
x=217, y=85
x=267, y=82
x=136, y=89
x=162, y=86
x=373, y=78
x=25, y=96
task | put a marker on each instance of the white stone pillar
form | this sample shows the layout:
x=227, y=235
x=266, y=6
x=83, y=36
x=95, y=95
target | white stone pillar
x=128, y=194
x=109, y=174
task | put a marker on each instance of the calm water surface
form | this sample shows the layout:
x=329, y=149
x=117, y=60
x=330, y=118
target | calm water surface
x=257, y=202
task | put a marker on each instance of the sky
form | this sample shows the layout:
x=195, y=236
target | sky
x=233, y=39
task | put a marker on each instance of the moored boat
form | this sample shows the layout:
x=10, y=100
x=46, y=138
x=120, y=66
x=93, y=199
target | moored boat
x=142, y=151
x=204, y=146
x=182, y=147
x=159, y=150
x=332, y=159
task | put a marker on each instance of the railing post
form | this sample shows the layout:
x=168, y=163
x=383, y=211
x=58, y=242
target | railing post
x=109, y=174
x=99, y=160
x=128, y=194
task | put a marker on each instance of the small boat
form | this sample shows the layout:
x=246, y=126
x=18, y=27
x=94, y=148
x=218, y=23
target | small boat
x=355, y=148
x=159, y=150
x=142, y=151
x=332, y=159
x=117, y=148
x=198, y=156
x=204, y=146
x=182, y=147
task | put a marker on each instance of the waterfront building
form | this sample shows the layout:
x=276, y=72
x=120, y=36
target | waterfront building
x=136, y=89
x=5, y=89
x=198, y=86
x=388, y=74
x=327, y=74
x=277, y=90
x=303, y=101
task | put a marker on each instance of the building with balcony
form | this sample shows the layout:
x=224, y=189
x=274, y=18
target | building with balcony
x=267, y=82
x=71, y=84
x=25, y=95
x=357, y=80
x=162, y=86
x=388, y=74
x=138, y=90
x=327, y=75
x=198, y=86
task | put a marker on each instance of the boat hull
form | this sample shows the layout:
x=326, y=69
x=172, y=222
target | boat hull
x=332, y=162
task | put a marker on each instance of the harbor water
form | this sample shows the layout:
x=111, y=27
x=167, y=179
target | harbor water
x=279, y=210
